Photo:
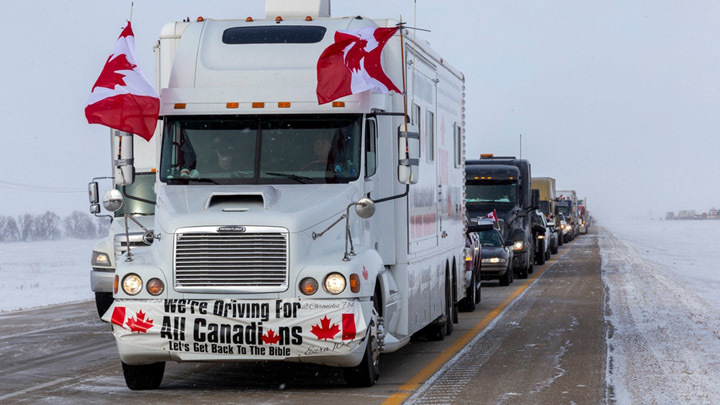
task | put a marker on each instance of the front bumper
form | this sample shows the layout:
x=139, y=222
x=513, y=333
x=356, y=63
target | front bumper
x=329, y=332
x=102, y=279
x=493, y=271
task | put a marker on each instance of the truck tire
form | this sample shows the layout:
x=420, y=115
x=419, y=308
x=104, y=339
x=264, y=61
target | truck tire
x=554, y=248
x=367, y=372
x=540, y=258
x=143, y=377
x=468, y=303
x=103, y=300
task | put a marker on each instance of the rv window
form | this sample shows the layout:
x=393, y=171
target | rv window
x=370, y=148
x=271, y=34
x=458, y=145
x=430, y=136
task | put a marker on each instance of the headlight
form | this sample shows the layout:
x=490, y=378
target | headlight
x=308, y=286
x=335, y=283
x=132, y=284
x=155, y=286
x=541, y=236
x=493, y=260
x=518, y=245
x=99, y=259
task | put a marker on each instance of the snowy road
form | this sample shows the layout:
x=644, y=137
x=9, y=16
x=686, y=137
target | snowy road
x=622, y=317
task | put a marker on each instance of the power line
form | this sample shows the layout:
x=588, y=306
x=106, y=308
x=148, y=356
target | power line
x=9, y=185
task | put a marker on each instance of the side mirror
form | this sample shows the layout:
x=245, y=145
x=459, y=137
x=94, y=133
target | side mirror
x=408, y=155
x=113, y=200
x=94, y=198
x=535, y=198
x=365, y=208
x=124, y=169
x=539, y=229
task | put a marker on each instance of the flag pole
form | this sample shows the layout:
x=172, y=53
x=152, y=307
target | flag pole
x=402, y=64
x=132, y=3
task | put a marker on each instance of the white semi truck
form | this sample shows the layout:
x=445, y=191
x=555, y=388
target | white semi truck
x=279, y=252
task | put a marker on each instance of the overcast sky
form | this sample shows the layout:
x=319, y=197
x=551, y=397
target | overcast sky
x=617, y=99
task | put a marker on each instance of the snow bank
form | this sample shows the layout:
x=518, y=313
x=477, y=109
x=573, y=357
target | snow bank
x=663, y=297
x=35, y=274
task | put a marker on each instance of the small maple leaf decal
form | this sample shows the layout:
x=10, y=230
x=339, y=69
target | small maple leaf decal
x=365, y=273
x=324, y=331
x=139, y=323
x=109, y=77
x=270, y=337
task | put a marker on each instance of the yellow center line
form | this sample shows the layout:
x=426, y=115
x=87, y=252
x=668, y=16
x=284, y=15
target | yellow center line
x=423, y=375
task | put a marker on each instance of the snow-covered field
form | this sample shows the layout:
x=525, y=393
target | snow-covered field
x=663, y=305
x=35, y=274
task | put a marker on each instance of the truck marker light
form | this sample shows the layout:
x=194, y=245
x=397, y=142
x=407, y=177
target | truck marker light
x=249, y=19
x=258, y=105
x=115, y=284
x=180, y=106
x=512, y=178
x=284, y=104
x=308, y=18
x=354, y=283
x=155, y=286
x=338, y=104
x=308, y=286
x=278, y=19
x=200, y=19
x=232, y=105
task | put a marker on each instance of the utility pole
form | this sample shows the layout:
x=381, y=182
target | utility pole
x=520, y=146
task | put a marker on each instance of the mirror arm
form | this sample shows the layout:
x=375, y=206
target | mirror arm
x=132, y=197
x=407, y=190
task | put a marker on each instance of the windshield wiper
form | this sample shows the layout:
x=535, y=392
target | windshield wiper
x=188, y=181
x=299, y=179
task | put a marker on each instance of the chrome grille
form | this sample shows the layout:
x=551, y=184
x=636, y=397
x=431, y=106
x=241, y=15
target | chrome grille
x=120, y=242
x=255, y=260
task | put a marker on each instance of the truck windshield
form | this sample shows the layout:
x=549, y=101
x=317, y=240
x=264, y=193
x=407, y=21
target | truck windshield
x=143, y=188
x=286, y=149
x=483, y=192
x=565, y=210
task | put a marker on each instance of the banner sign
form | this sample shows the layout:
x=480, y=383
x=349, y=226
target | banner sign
x=258, y=329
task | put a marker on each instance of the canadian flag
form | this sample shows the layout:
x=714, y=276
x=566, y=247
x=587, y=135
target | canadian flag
x=122, y=97
x=353, y=64
x=493, y=215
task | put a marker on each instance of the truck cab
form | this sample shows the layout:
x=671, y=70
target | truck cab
x=502, y=185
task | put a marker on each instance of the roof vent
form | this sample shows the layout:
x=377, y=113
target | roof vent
x=297, y=8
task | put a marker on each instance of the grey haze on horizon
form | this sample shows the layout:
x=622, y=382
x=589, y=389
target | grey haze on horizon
x=615, y=99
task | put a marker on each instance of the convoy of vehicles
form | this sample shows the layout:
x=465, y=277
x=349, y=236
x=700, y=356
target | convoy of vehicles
x=278, y=259
x=234, y=239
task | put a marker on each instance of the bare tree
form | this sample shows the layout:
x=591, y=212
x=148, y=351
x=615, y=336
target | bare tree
x=25, y=225
x=11, y=230
x=46, y=226
x=79, y=225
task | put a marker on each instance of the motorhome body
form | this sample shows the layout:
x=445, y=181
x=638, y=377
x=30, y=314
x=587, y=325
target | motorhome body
x=264, y=232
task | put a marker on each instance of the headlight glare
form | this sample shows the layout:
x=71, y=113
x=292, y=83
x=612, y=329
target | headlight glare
x=518, y=245
x=132, y=284
x=99, y=259
x=335, y=283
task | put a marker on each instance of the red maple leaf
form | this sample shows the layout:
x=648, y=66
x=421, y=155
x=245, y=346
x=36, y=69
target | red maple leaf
x=365, y=273
x=109, y=77
x=324, y=331
x=139, y=323
x=270, y=337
